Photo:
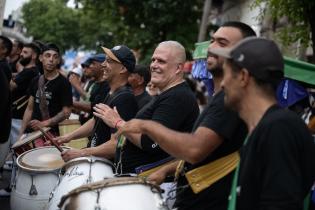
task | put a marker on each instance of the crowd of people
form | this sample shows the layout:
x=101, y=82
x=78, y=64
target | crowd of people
x=242, y=151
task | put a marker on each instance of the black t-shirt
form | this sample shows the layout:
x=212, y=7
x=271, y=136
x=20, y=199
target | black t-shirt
x=233, y=130
x=5, y=108
x=5, y=67
x=143, y=99
x=98, y=93
x=22, y=80
x=177, y=109
x=58, y=94
x=125, y=102
x=13, y=66
x=277, y=163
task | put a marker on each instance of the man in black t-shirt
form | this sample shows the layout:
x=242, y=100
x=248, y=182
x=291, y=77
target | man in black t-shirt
x=19, y=86
x=6, y=47
x=119, y=63
x=100, y=87
x=277, y=166
x=175, y=107
x=218, y=132
x=50, y=95
x=14, y=57
x=138, y=81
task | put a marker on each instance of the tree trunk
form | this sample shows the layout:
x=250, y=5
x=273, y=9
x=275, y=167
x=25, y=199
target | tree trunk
x=312, y=24
x=204, y=20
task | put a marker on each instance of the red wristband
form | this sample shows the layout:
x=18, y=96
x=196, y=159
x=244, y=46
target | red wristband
x=118, y=121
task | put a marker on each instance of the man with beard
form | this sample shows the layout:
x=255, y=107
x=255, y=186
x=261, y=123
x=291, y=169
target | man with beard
x=277, y=166
x=50, y=98
x=218, y=133
x=19, y=86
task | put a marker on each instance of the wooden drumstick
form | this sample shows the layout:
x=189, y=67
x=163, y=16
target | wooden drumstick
x=48, y=136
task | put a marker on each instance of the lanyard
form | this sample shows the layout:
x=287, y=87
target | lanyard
x=233, y=192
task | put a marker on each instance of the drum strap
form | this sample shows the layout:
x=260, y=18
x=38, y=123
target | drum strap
x=204, y=176
x=146, y=170
x=43, y=106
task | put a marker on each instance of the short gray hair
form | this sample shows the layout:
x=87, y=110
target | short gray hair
x=177, y=48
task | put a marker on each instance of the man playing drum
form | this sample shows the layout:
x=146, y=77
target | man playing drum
x=119, y=63
x=50, y=95
x=218, y=133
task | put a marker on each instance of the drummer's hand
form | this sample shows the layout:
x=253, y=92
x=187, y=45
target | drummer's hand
x=157, y=177
x=34, y=124
x=132, y=126
x=71, y=154
x=108, y=115
x=61, y=139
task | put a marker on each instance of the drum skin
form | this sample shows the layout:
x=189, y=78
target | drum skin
x=33, y=140
x=127, y=193
x=67, y=126
x=39, y=168
x=78, y=172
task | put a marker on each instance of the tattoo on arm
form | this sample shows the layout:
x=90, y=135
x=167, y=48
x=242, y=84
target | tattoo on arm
x=57, y=118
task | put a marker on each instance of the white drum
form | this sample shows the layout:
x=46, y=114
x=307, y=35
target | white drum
x=78, y=172
x=36, y=177
x=126, y=193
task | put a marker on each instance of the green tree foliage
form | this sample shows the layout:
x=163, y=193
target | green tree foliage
x=52, y=21
x=301, y=16
x=139, y=24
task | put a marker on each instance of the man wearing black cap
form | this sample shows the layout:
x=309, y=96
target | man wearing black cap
x=99, y=88
x=277, y=167
x=138, y=81
x=119, y=63
x=50, y=95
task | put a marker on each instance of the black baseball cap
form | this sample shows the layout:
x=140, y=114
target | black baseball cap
x=86, y=63
x=122, y=54
x=50, y=46
x=98, y=57
x=260, y=56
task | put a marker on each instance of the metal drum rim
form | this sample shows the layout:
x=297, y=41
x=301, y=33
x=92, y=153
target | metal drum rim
x=36, y=171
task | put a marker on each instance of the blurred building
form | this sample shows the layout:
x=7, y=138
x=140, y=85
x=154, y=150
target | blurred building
x=12, y=27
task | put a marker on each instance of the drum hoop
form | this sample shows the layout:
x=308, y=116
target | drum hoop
x=36, y=171
x=69, y=122
x=35, y=134
x=89, y=159
x=109, y=182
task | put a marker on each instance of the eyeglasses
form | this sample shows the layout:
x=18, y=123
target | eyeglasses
x=110, y=61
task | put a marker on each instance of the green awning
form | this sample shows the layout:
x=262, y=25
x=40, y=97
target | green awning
x=299, y=70
x=201, y=49
x=294, y=69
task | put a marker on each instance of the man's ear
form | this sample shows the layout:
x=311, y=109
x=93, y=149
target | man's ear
x=40, y=57
x=244, y=76
x=123, y=69
x=179, y=68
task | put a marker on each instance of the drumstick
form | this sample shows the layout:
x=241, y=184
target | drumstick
x=48, y=136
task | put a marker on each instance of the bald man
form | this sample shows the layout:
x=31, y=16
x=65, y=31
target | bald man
x=175, y=107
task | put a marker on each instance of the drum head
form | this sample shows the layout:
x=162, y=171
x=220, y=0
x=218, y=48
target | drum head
x=41, y=159
x=30, y=137
x=89, y=159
